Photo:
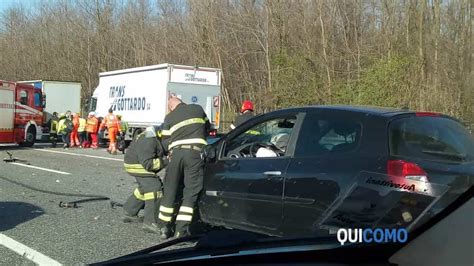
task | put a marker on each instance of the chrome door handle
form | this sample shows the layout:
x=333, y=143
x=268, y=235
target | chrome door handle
x=272, y=173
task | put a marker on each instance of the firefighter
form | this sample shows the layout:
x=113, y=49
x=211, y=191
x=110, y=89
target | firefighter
x=53, y=130
x=143, y=160
x=92, y=128
x=113, y=127
x=246, y=112
x=184, y=131
x=74, y=132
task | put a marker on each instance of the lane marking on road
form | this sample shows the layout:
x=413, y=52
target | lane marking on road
x=41, y=168
x=82, y=155
x=43, y=144
x=26, y=252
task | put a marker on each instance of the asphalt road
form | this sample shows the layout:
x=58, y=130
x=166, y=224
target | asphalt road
x=91, y=233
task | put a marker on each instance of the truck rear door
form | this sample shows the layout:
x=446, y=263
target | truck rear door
x=205, y=96
x=197, y=86
x=7, y=113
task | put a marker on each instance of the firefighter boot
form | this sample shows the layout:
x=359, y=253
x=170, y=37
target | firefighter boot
x=132, y=219
x=165, y=230
x=182, y=229
x=151, y=228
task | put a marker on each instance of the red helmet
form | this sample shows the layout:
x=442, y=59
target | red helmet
x=246, y=106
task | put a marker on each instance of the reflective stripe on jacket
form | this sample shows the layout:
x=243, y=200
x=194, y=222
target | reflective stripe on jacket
x=92, y=125
x=187, y=124
x=61, y=128
x=54, y=125
x=145, y=155
x=110, y=121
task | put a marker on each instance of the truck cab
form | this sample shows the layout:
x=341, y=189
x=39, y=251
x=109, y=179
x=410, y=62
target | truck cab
x=21, y=113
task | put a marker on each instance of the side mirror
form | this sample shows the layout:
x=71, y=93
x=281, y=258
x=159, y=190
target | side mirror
x=209, y=153
x=43, y=101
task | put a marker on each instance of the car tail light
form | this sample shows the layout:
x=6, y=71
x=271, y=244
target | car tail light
x=427, y=114
x=400, y=168
x=213, y=133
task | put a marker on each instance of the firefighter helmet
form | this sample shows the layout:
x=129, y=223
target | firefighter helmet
x=246, y=106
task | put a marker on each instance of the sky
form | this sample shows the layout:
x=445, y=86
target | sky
x=5, y=4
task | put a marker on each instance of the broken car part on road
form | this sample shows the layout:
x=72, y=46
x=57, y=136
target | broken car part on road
x=62, y=204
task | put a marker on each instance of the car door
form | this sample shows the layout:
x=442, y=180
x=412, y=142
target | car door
x=326, y=160
x=244, y=191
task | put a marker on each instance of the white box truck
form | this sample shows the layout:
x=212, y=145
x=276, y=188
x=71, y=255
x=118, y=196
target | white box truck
x=140, y=94
x=59, y=96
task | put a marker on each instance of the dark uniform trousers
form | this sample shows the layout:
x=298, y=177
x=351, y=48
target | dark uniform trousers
x=185, y=163
x=146, y=196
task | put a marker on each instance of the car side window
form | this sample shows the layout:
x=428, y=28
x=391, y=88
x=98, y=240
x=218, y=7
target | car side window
x=266, y=139
x=23, y=97
x=327, y=136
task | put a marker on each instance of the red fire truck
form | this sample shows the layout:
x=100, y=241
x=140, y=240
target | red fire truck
x=21, y=113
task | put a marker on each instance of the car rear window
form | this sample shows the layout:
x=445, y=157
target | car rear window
x=431, y=138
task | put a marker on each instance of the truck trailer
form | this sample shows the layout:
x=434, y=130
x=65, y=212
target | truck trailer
x=21, y=113
x=140, y=95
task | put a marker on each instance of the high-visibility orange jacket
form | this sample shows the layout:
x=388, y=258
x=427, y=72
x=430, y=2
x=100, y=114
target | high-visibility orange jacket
x=92, y=125
x=75, y=121
x=110, y=121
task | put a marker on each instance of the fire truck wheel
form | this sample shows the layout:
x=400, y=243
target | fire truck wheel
x=30, y=137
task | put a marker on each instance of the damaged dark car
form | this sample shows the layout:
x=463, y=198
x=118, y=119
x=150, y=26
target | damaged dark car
x=310, y=170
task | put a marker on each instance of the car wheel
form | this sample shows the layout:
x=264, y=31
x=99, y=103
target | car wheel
x=30, y=137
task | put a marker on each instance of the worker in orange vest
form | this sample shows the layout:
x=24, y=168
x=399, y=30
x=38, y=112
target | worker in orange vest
x=112, y=123
x=74, y=134
x=92, y=127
